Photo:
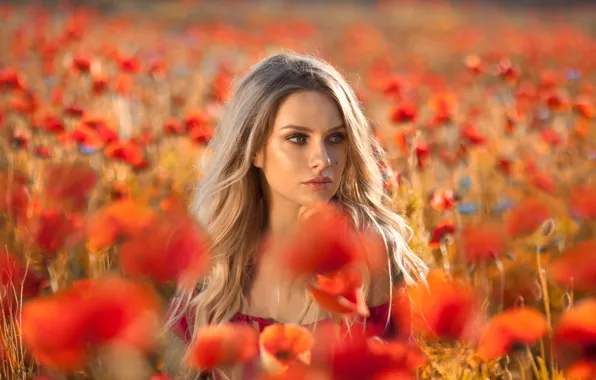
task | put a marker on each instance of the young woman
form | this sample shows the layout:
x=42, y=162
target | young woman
x=293, y=135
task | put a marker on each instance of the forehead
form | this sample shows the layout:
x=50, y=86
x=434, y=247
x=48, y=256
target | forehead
x=311, y=109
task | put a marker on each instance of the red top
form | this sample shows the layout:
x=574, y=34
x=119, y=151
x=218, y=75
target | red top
x=376, y=323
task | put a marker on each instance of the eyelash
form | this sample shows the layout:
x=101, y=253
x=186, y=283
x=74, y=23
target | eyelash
x=341, y=136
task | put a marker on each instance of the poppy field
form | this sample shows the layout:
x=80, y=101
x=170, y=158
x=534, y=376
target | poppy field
x=487, y=115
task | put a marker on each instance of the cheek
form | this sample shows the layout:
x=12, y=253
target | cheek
x=282, y=161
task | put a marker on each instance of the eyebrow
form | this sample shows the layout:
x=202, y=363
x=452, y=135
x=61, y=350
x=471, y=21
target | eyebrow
x=305, y=129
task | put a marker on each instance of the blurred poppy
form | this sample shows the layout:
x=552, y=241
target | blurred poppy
x=581, y=370
x=474, y=64
x=69, y=185
x=582, y=202
x=526, y=217
x=217, y=346
x=172, y=246
x=483, y=241
x=575, y=269
x=442, y=200
x=53, y=230
x=125, y=218
x=16, y=277
x=282, y=345
x=575, y=334
x=14, y=196
x=470, y=133
x=520, y=325
x=64, y=329
x=445, y=309
x=585, y=107
x=444, y=228
x=357, y=356
x=404, y=113
x=327, y=242
x=340, y=292
x=125, y=151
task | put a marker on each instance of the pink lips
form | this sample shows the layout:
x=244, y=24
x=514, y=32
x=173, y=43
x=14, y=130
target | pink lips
x=319, y=183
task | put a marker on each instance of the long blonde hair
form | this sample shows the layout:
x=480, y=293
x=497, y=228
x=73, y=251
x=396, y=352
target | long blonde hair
x=229, y=201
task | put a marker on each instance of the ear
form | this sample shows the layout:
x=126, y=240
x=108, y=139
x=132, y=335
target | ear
x=258, y=159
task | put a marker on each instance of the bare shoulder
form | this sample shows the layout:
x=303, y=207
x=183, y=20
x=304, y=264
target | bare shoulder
x=174, y=354
x=380, y=278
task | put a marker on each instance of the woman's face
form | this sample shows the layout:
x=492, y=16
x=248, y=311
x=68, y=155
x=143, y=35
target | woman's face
x=304, y=158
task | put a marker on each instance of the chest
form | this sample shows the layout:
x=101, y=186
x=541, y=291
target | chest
x=284, y=302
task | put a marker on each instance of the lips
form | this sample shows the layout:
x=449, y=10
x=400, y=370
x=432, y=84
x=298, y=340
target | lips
x=319, y=180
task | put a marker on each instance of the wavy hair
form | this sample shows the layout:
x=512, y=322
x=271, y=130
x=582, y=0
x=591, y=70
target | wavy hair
x=230, y=203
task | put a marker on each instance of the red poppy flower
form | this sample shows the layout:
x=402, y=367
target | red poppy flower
x=404, y=113
x=526, y=217
x=446, y=309
x=543, y=181
x=283, y=345
x=54, y=230
x=582, y=202
x=551, y=137
x=584, y=106
x=81, y=64
x=63, y=329
x=575, y=268
x=327, y=242
x=128, y=152
x=442, y=200
x=581, y=370
x=357, y=356
x=522, y=325
x=69, y=185
x=99, y=84
x=216, y=346
x=121, y=218
x=484, y=241
x=575, y=334
x=472, y=135
x=422, y=154
x=14, y=276
x=444, y=228
x=340, y=292
x=14, y=196
x=171, y=247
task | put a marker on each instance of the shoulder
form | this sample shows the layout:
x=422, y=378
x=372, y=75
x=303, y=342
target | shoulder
x=379, y=272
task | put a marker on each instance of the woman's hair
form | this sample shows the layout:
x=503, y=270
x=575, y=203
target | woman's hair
x=229, y=201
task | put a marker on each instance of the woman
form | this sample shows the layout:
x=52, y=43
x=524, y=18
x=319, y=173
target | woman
x=292, y=136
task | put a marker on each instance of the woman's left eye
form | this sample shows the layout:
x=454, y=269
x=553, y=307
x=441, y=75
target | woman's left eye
x=337, y=138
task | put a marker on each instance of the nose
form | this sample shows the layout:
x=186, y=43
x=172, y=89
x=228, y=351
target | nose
x=319, y=157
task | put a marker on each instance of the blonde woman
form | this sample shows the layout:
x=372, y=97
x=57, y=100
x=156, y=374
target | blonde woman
x=292, y=135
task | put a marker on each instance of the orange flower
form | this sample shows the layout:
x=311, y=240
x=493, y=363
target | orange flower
x=575, y=334
x=128, y=152
x=69, y=185
x=121, y=218
x=216, y=346
x=526, y=217
x=575, y=268
x=484, y=241
x=282, y=345
x=172, y=247
x=63, y=329
x=446, y=309
x=582, y=370
x=525, y=325
x=582, y=202
x=327, y=242
x=340, y=292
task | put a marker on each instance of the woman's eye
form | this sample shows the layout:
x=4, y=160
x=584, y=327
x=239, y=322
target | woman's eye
x=337, y=138
x=297, y=139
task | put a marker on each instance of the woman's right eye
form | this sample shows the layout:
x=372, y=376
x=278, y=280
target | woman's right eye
x=297, y=139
